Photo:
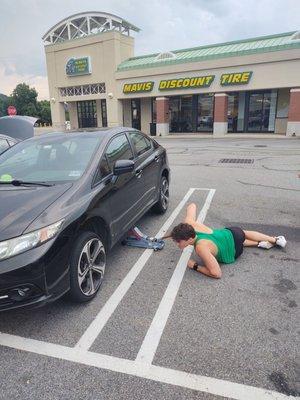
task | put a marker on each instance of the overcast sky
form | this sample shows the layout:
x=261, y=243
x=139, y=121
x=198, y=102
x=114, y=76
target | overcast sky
x=165, y=25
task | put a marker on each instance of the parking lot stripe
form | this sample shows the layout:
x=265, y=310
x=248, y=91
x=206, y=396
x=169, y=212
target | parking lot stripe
x=169, y=376
x=152, y=338
x=90, y=335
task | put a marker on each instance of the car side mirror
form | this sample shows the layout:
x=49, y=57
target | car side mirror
x=123, y=166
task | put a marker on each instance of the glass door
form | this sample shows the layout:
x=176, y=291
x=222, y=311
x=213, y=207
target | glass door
x=205, y=112
x=186, y=119
x=87, y=114
x=104, y=112
x=261, y=114
x=136, y=113
x=174, y=107
x=233, y=111
x=255, y=115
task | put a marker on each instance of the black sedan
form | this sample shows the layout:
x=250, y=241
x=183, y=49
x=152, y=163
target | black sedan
x=67, y=199
x=6, y=142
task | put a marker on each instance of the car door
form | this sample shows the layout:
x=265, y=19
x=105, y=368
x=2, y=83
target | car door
x=148, y=161
x=123, y=191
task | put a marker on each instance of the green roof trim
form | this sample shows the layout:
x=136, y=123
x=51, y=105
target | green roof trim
x=262, y=44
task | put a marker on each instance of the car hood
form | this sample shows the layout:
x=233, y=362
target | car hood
x=20, y=206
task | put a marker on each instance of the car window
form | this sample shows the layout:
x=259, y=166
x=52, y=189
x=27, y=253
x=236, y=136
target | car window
x=63, y=159
x=3, y=145
x=140, y=143
x=118, y=149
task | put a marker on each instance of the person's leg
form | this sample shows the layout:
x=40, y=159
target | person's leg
x=250, y=243
x=259, y=237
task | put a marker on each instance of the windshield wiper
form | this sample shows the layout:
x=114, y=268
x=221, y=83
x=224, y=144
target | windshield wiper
x=17, y=182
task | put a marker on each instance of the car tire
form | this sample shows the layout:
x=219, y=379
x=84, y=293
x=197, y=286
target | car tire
x=162, y=205
x=87, y=266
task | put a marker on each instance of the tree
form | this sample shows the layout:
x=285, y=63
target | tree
x=24, y=99
x=4, y=103
x=44, y=111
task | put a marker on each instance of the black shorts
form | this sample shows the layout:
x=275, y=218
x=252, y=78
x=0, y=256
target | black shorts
x=239, y=238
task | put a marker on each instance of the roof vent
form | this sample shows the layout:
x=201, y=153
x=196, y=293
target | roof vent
x=165, y=55
x=296, y=36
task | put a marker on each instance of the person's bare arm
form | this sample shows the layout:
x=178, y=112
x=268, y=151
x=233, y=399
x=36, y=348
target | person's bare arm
x=211, y=266
x=191, y=219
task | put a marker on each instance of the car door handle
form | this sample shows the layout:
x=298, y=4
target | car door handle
x=156, y=158
x=138, y=173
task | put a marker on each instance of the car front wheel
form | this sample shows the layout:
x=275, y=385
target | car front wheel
x=163, y=202
x=87, y=267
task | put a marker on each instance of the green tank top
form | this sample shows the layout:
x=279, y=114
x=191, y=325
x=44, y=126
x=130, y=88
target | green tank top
x=224, y=241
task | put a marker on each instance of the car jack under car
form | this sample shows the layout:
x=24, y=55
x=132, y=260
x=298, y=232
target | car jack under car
x=135, y=238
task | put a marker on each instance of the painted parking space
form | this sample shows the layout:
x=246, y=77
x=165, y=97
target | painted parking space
x=203, y=343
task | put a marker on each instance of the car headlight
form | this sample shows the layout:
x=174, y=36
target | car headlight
x=12, y=247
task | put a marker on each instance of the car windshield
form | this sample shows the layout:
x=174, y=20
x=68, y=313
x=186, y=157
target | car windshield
x=51, y=160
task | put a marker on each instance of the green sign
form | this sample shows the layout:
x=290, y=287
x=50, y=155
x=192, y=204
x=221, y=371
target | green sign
x=78, y=66
x=236, y=78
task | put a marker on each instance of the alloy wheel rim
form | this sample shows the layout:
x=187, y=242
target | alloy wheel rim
x=91, y=267
x=164, y=193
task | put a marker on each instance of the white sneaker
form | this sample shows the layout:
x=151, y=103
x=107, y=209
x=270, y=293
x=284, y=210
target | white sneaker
x=265, y=245
x=280, y=241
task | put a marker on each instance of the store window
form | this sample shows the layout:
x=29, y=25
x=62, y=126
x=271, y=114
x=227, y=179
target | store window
x=191, y=113
x=283, y=103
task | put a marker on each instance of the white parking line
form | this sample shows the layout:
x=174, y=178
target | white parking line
x=90, y=335
x=169, y=376
x=152, y=338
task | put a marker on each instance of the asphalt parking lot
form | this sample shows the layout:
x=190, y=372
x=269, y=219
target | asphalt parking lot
x=159, y=331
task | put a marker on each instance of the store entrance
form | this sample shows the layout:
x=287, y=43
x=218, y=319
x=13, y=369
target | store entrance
x=87, y=114
x=261, y=111
x=136, y=113
x=252, y=111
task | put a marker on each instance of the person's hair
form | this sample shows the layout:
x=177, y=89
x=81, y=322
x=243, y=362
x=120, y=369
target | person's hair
x=183, y=232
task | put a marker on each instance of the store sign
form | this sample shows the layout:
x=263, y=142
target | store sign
x=78, y=66
x=138, y=87
x=236, y=78
x=186, y=83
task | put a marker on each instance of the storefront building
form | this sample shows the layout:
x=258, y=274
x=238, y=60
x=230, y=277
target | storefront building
x=245, y=86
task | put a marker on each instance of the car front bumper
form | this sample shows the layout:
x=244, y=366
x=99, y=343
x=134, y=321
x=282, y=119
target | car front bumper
x=35, y=277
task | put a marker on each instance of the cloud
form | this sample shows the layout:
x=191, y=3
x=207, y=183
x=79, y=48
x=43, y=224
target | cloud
x=11, y=80
x=168, y=25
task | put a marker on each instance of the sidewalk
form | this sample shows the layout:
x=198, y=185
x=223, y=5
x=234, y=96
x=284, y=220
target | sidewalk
x=227, y=136
x=197, y=135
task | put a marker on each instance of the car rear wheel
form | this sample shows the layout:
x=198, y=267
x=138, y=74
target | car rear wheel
x=87, y=266
x=162, y=205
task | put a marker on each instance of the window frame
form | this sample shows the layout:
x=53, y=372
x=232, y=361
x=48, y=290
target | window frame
x=96, y=183
x=138, y=156
x=8, y=145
